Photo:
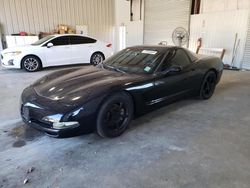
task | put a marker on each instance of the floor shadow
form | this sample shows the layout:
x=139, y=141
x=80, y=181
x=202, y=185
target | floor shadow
x=23, y=132
x=225, y=86
x=52, y=68
x=161, y=112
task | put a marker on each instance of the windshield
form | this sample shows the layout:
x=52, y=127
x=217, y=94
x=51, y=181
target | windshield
x=41, y=41
x=134, y=61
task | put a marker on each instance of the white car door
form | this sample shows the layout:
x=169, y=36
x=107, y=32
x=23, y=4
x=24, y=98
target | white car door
x=82, y=48
x=59, y=53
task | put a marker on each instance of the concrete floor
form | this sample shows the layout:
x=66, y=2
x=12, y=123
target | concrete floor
x=189, y=144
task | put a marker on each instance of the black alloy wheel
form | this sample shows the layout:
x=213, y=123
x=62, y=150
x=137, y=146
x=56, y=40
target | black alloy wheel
x=208, y=85
x=115, y=115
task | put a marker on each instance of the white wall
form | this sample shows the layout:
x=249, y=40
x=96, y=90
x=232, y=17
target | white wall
x=133, y=29
x=122, y=17
x=34, y=16
x=223, y=5
x=246, y=58
x=1, y=45
x=134, y=33
x=218, y=30
x=222, y=20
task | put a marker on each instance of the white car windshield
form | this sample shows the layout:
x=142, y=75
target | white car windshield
x=41, y=41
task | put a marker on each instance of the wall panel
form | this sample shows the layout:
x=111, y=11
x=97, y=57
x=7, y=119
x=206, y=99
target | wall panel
x=34, y=16
x=162, y=17
x=218, y=30
x=223, y=5
x=246, y=58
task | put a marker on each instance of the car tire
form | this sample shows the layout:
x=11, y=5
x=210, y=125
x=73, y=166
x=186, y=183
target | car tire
x=96, y=58
x=208, y=86
x=31, y=63
x=115, y=115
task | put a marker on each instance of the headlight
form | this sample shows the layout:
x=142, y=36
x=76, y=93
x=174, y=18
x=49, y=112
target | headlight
x=65, y=125
x=14, y=53
x=53, y=118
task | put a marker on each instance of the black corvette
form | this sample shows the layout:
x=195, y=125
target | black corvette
x=107, y=97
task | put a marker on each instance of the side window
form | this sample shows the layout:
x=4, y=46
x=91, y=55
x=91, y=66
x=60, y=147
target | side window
x=81, y=40
x=180, y=58
x=60, y=41
x=176, y=57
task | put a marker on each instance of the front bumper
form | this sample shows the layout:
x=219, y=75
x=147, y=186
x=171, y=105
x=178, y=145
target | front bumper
x=49, y=130
x=34, y=108
x=11, y=61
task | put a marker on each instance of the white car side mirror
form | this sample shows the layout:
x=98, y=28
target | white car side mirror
x=50, y=44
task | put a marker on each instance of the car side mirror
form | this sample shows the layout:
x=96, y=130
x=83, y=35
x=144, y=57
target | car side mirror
x=49, y=45
x=173, y=69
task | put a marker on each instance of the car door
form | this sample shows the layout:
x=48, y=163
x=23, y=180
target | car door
x=82, y=48
x=58, y=54
x=175, y=77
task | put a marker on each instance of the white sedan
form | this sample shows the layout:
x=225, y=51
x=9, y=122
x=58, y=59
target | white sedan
x=56, y=50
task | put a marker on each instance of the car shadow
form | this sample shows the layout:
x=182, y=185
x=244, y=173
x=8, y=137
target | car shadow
x=224, y=87
x=54, y=68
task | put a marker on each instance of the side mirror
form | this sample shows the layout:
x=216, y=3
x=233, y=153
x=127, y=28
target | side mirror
x=172, y=69
x=49, y=45
x=175, y=69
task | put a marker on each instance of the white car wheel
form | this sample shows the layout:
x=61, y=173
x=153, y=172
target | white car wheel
x=96, y=59
x=31, y=63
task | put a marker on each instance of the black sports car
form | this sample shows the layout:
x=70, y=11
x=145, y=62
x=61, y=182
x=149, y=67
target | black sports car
x=107, y=97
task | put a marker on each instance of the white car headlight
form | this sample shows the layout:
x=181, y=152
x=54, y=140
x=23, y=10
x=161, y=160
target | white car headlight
x=14, y=53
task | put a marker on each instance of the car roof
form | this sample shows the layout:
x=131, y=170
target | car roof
x=68, y=34
x=73, y=34
x=159, y=48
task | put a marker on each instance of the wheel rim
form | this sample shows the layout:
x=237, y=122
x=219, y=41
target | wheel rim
x=31, y=64
x=97, y=58
x=209, y=86
x=116, y=116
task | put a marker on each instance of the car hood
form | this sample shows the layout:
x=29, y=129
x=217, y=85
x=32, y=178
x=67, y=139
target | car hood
x=17, y=48
x=74, y=85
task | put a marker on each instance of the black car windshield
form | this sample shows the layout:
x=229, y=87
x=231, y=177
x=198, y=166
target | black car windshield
x=133, y=60
x=41, y=41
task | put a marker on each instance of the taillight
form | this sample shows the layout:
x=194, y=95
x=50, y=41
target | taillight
x=109, y=45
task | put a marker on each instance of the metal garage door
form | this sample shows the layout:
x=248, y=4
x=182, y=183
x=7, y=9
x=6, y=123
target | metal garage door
x=162, y=17
x=246, y=59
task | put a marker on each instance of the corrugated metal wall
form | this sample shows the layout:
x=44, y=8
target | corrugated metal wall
x=33, y=16
x=246, y=59
x=162, y=17
x=218, y=30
